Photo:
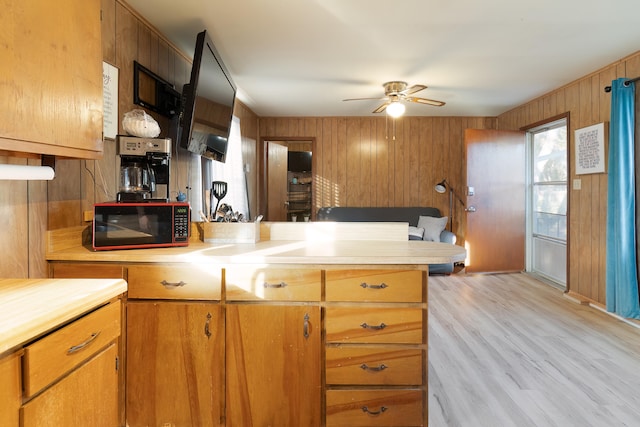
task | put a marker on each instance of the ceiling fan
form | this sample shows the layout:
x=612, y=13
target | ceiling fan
x=397, y=91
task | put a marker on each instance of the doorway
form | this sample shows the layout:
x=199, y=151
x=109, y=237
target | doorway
x=287, y=189
x=547, y=200
x=495, y=201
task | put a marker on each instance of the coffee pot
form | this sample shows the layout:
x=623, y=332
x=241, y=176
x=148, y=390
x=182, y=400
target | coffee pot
x=139, y=178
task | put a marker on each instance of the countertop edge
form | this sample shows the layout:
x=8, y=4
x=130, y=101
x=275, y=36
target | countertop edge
x=40, y=322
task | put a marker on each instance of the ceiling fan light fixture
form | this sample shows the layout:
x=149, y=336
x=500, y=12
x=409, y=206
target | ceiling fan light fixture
x=395, y=109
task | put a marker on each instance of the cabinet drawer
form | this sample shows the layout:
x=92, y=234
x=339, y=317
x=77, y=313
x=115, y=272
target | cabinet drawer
x=353, y=408
x=273, y=284
x=192, y=281
x=375, y=325
x=374, y=285
x=87, y=270
x=374, y=366
x=52, y=356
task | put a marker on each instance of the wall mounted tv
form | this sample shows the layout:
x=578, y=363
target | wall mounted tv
x=299, y=161
x=207, y=103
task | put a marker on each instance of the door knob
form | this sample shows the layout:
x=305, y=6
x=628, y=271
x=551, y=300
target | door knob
x=471, y=209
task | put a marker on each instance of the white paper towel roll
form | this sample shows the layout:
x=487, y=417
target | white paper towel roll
x=26, y=173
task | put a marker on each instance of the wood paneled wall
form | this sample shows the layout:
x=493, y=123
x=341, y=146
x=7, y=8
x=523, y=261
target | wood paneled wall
x=587, y=103
x=126, y=37
x=357, y=161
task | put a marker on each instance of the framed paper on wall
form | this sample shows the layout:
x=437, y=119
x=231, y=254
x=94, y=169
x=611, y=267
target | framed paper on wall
x=110, y=100
x=590, y=157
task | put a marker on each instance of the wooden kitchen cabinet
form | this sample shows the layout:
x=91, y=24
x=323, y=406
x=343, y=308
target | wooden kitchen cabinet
x=175, y=364
x=71, y=375
x=273, y=365
x=51, y=78
x=375, y=348
x=294, y=343
x=10, y=389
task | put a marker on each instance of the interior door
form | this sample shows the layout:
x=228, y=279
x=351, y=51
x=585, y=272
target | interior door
x=276, y=181
x=495, y=235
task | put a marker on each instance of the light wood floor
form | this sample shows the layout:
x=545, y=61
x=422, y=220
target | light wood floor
x=508, y=350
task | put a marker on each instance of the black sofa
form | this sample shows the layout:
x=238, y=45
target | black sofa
x=410, y=215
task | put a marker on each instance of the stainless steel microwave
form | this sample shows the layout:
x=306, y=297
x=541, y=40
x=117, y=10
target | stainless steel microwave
x=140, y=225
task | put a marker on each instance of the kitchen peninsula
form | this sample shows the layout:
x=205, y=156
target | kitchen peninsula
x=58, y=351
x=319, y=331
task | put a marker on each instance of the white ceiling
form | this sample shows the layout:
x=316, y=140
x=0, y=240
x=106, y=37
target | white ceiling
x=303, y=57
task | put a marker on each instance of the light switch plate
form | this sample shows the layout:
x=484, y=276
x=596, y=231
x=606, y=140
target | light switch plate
x=577, y=184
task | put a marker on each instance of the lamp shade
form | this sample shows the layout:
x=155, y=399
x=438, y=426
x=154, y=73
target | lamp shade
x=441, y=187
x=395, y=109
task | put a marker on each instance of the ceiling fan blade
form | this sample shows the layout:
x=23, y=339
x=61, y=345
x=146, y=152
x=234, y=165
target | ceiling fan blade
x=413, y=89
x=381, y=108
x=425, y=101
x=363, y=99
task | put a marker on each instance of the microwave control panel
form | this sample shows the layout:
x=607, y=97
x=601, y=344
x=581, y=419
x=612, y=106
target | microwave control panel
x=181, y=223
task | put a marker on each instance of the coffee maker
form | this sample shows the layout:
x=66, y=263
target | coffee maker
x=144, y=169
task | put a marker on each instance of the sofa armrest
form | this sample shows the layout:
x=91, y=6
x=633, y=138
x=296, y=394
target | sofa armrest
x=448, y=237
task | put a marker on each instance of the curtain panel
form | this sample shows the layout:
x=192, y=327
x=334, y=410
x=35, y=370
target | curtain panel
x=622, y=278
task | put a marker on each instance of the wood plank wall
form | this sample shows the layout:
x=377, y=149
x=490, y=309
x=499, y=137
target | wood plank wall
x=356, y=161
x=587, y=103
x=126, y=36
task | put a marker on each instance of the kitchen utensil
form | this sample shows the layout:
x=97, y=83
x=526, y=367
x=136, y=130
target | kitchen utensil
x=207, y=205
x=219, y=190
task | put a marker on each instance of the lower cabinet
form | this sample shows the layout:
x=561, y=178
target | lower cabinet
x=273, y=365
x=375, y=348
x=175, y=364
x=274, y=345
x=68, y=377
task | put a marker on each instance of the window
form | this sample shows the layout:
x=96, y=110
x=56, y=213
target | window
x=204, y=171
x=232, y=172
x=547, y=213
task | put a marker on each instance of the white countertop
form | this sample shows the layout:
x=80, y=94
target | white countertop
x=345, y=252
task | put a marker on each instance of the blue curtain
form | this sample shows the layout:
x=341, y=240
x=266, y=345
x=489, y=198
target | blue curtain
x=622, y=277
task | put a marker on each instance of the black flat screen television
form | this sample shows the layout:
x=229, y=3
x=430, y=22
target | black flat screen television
x=207, y=103
x=299, y=161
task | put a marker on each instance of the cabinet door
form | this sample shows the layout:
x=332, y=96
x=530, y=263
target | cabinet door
x=88, y=396
x=175, y=365
x=273, y=365
x=51, y=84
x=10, y=390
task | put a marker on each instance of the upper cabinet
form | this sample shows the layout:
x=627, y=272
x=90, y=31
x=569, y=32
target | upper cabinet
x=51, y=78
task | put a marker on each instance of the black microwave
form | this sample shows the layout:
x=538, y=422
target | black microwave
x=140, y=225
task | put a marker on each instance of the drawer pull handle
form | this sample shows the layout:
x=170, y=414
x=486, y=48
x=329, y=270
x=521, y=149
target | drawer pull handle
x=274, y=285
x=380, y=368
x=305, y=326
x=77, y=348
x=374, y=327
x=172, y=284
x=370, y=412
x=380, y=286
